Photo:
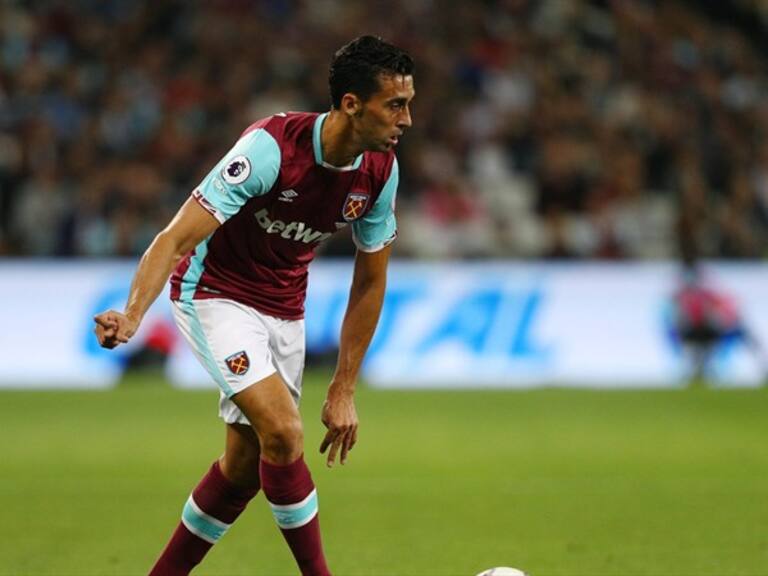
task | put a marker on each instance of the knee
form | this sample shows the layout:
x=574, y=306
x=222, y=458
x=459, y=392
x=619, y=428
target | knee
x=283, y=442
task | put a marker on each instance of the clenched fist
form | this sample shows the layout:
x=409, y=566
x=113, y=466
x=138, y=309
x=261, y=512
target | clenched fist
x=113, y=328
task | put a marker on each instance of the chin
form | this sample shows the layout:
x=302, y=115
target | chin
x=380, y=146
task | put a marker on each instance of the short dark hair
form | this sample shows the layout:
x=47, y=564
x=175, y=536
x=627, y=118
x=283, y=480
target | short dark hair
x=356, y=67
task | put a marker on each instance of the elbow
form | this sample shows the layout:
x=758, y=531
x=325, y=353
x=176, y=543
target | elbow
x=176, y=258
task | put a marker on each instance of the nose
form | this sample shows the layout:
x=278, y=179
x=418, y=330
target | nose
x=405, y=119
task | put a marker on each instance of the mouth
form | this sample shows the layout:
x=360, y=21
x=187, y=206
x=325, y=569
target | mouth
x=392, y=141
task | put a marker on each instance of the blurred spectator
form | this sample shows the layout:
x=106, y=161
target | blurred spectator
x=705, y=321
x=547, y=128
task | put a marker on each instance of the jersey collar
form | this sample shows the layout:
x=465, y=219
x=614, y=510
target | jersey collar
x=316, y=143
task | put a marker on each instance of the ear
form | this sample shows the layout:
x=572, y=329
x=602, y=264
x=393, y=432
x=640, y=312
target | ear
x=351, y=105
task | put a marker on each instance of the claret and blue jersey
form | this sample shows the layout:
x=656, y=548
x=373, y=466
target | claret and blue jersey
x=277, y=199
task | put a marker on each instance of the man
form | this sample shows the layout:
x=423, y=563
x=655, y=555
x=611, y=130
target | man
x=706, y=320
x=239, y=249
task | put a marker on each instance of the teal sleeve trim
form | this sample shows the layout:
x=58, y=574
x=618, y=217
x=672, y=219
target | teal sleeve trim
x=194, y=272
x=249, y=169
x=378, y=228
x=317, y=130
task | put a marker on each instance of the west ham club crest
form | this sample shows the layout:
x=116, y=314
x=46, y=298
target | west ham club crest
x=354, y=206
x=238, y=363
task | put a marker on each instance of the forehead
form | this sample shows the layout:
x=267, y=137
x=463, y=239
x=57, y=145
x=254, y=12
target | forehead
x=394, y=86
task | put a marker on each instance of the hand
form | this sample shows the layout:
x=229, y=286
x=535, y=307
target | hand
x=340, y=417
x=113, y=328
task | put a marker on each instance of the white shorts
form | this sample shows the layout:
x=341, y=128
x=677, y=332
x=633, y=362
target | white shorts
x=240, y=346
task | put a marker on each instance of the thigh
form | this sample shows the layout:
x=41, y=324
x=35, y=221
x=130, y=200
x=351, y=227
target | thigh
x=268, y=405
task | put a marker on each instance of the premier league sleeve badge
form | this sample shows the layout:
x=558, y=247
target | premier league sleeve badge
x=236, y=170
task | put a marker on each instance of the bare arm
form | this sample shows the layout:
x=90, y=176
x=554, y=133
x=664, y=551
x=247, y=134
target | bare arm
x=363, y=309
x=191, y=224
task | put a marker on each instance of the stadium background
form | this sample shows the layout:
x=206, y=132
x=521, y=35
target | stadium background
x=614, y=135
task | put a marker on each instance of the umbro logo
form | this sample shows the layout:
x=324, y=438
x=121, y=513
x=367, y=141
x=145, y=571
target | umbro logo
x=288, y=195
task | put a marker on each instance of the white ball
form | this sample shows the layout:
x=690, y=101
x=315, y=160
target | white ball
x=502, y=571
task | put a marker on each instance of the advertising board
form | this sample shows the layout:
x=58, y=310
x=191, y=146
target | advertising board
x=479, y=324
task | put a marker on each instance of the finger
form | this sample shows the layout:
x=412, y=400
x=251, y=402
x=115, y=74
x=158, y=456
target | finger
x=100, y=335
x=122, y=335
x=329, y=437
x=334, y=450
x=346, y=446
x=105, y=321
x=332, y=453
x=354, y=438
x=102, y=332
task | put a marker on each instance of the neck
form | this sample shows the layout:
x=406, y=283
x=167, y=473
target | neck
x=338, y=140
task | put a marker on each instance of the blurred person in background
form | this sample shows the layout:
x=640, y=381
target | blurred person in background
x=706, y=320
x=239, y=250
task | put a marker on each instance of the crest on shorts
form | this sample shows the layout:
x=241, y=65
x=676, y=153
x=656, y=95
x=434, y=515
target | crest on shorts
x=354, y=205
x=238, y=363
x=237, y=170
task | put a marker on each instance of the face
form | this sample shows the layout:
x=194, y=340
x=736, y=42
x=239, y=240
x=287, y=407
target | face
x=381, y=120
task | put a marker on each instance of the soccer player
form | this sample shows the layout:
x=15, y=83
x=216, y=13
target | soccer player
x=239, y=249
x=705, y=319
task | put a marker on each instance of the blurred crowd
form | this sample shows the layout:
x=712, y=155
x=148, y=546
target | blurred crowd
x=614, y=129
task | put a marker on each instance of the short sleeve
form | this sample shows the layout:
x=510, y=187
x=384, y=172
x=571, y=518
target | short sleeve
x=249, y=169
x=378, y=228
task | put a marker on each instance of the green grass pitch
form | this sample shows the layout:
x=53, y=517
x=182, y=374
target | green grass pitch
x=556, y=482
